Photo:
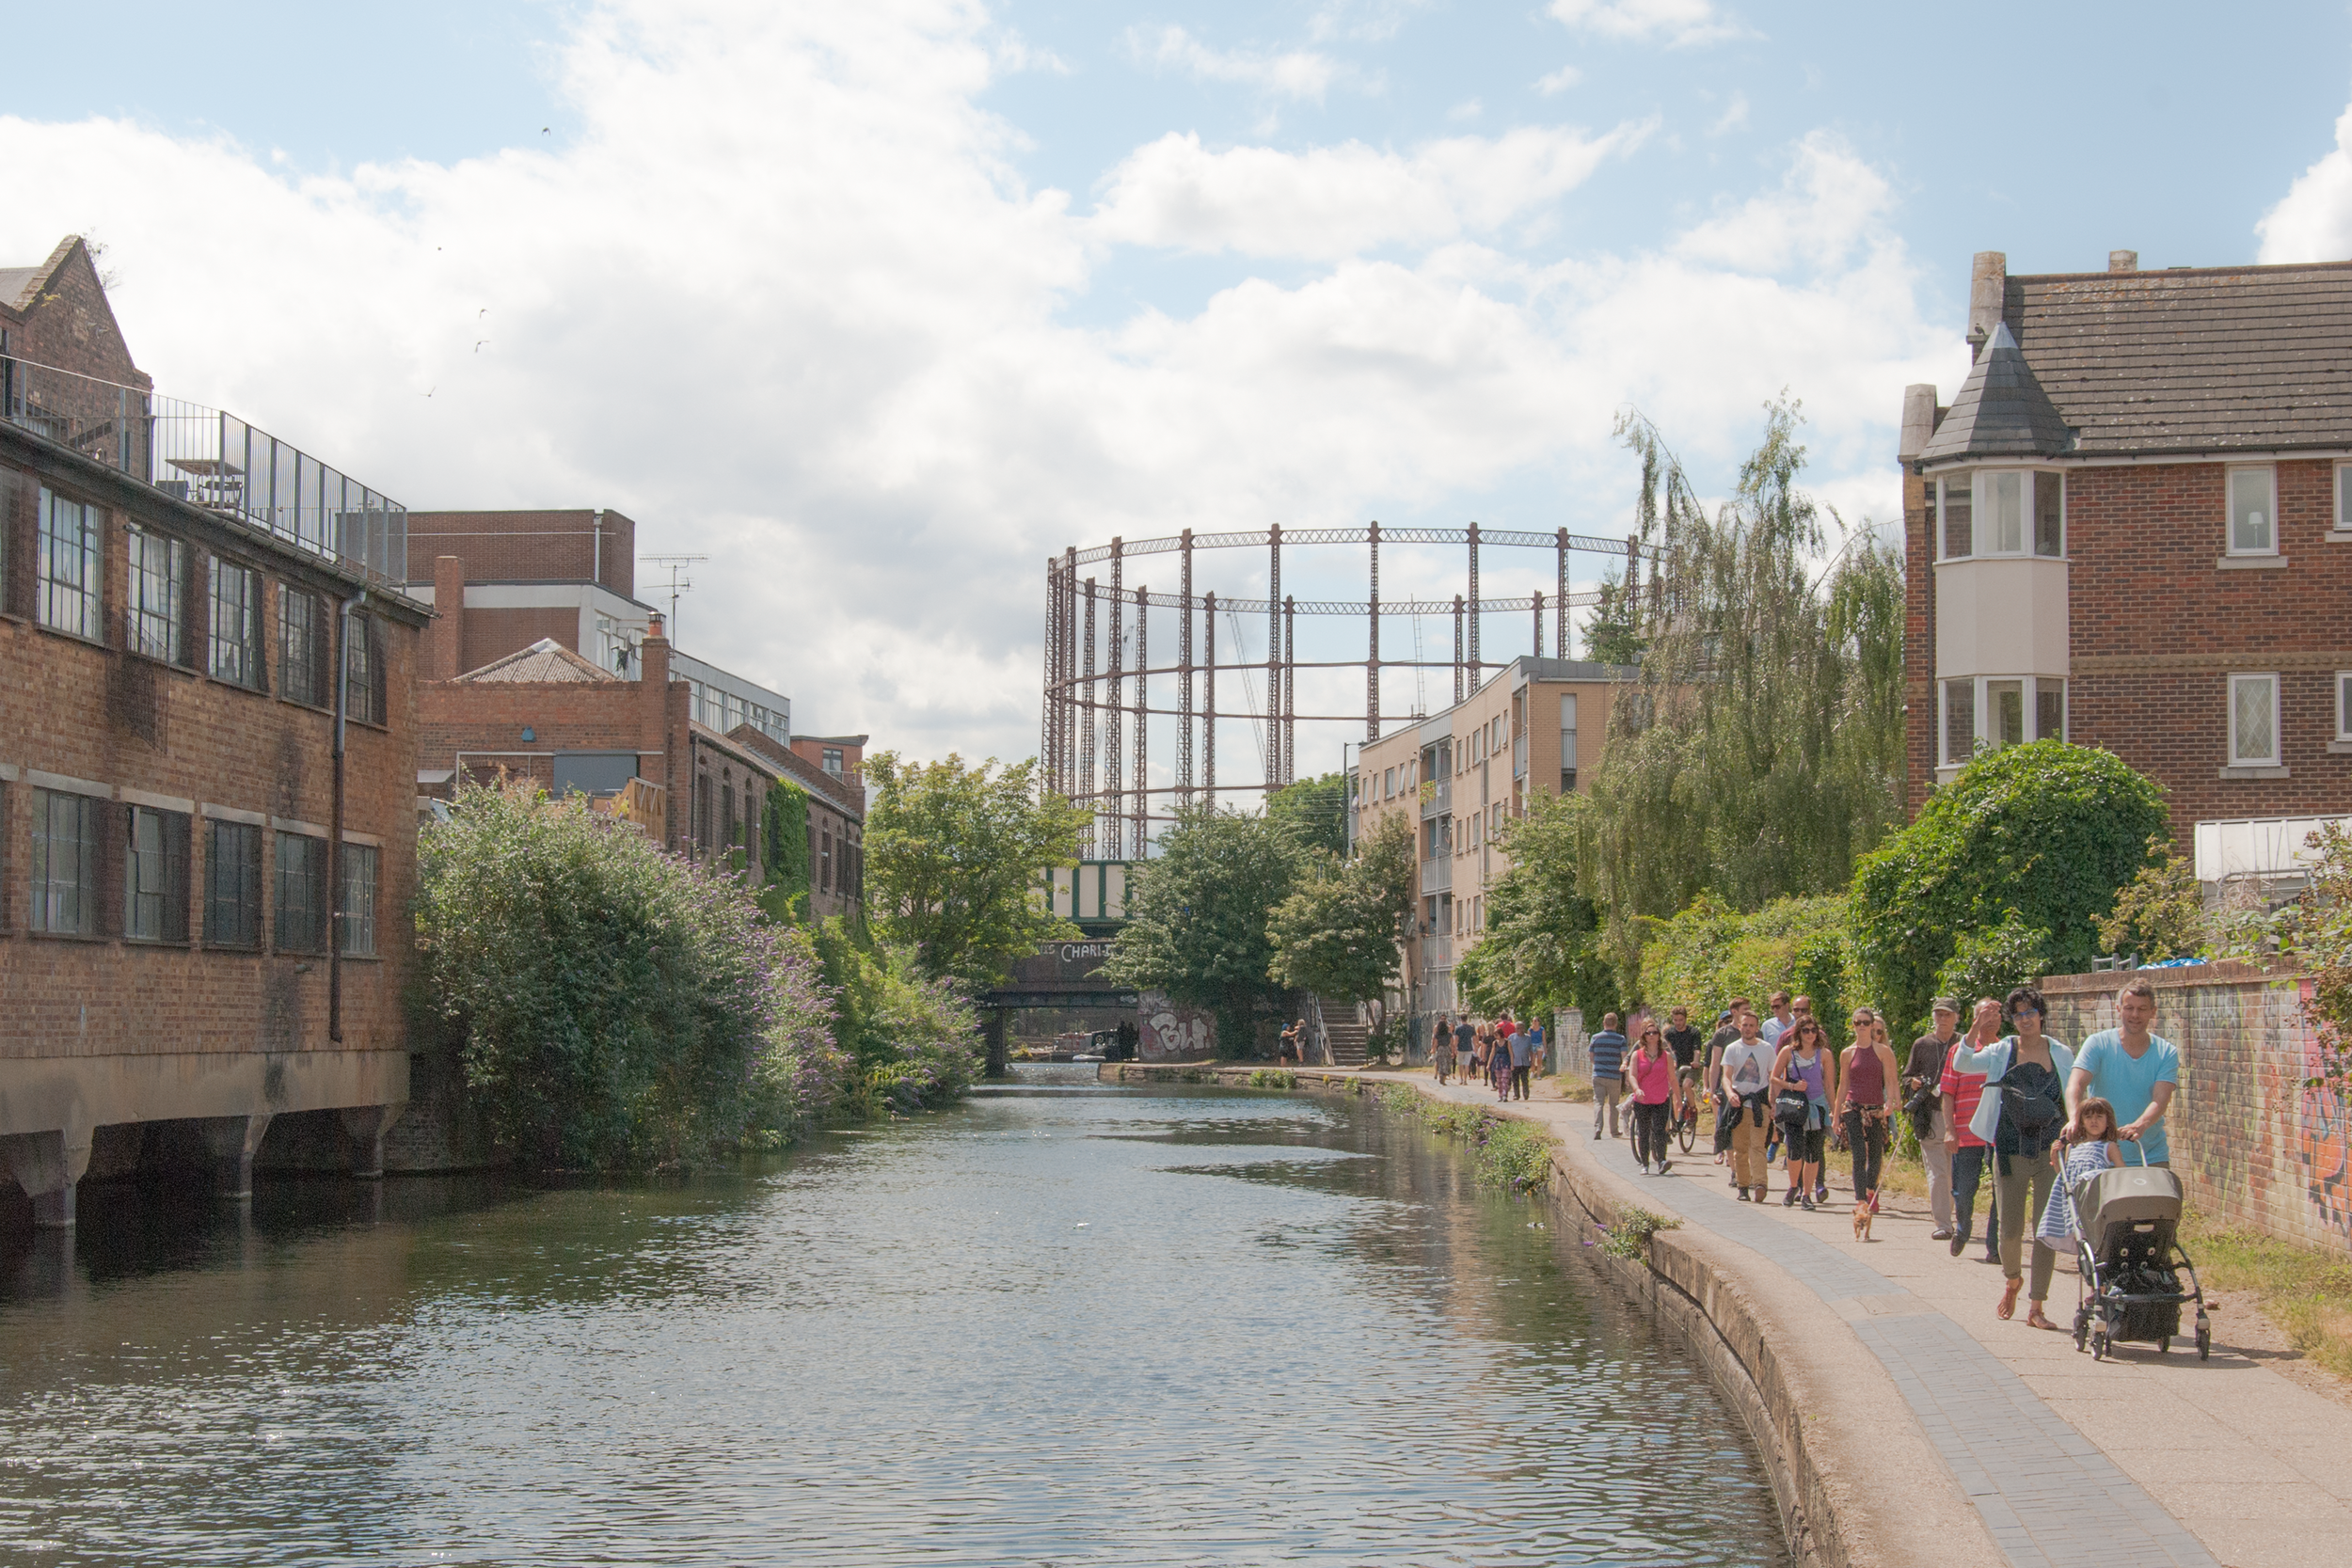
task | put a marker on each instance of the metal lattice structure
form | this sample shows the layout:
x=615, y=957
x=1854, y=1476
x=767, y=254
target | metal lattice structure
x=1089, y=706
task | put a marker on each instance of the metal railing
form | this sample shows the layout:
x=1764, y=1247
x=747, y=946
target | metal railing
x=1436, y=874
x=216, y=461
x=1436, y=799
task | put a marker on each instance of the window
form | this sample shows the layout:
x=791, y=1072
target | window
x=363, y=657
x=65, y=862
x=2343, y=704
x=2254, y=721
x=2005, y=512
x=159, y=570
x=301, y=894
x=66, y=589
x=833, y=760
x=2005, y=712
x=1960, y=511
x=236, y=623
x=824, y=862
x=2049, y=719
x=356, y=907
x=302, y=648
x=1387, y=785
x=2344, y=500
x=2253, y=512
x=233, y=885
x=155, y=876
x=2049, y=513
x=1959, y=723
x=1567, y=743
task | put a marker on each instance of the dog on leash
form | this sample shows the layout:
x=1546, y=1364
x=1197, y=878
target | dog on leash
x=1864, y=1210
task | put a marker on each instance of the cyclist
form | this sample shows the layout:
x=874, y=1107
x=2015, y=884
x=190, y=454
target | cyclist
x=1685, y=1043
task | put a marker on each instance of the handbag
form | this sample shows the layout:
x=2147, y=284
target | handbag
x=1791, y=1105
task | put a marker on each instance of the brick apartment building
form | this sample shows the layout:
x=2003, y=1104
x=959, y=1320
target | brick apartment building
x=1536, y=727
x=2132, y=528
x=199, y=898
x=541, y=664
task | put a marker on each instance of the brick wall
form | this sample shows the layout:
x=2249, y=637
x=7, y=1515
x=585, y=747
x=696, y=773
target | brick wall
x=91, y=712
x=2156, y=628
x=2249, y=1143
x=490, y=635
x=486, y=717
x=71, y=326
x=529, y=547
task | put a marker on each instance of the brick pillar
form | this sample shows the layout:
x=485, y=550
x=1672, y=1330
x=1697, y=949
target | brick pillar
x=653, y=693
x=445, y=656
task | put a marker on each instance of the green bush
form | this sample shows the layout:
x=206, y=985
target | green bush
x=618, y=1006
x=2029, y=838
x=1710, y=953
x=1273, y=1078
x=908, y=1041
x=1508, y=1156
x=1629, y=1236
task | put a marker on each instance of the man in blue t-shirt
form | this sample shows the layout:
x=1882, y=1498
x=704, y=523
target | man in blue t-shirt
x=2133, y=1070
x=1608, y=1073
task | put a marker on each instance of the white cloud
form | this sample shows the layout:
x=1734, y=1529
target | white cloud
x=1676, y=23
x=1336, y=201
x=1558, y=81
x=1300, y=74
x=2312, y=222
x=1735, y=115
x=785, y=301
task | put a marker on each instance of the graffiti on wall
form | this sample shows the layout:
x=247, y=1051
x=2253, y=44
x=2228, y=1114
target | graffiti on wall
x=1174, y=1033
x=2323, y=1143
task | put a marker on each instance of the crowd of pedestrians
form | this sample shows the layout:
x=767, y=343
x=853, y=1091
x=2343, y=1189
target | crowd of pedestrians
x=1999, y=1110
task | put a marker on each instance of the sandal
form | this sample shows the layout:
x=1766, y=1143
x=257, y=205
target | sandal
x=2034, y=1320
x=2009, y=1300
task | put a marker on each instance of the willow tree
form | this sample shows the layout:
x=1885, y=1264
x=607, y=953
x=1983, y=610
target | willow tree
x=1760, y=752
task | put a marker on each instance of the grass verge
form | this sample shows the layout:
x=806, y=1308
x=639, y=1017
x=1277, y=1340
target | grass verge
x=2305, y=1290
x=1510, y=1156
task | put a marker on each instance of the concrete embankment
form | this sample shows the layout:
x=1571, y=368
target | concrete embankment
x=1857, y=1481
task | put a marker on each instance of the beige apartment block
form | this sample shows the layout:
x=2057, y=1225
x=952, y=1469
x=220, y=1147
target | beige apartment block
x=1536, y=727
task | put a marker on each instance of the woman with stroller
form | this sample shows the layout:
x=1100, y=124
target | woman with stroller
x=2021, y=1115
x=2090, y=1146
x=1804, y=1079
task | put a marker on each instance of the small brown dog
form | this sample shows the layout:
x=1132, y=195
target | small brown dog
x=1864, y=1210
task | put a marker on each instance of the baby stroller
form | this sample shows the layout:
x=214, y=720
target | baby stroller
x=2126, y=1221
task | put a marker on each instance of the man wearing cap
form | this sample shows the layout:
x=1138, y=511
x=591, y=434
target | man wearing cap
x=1928, y=1054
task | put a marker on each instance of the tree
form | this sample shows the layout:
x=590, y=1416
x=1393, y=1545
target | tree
x=1609, y=629
x=1337, y=936
x=1708, y=953
x=1198, y=915
x=2021, y=854
x=1762, y=750
x=1541, y=950
x=615, y=1003
x=2160, y=913
x=783, y=840
x=954, y=857
x=1315, y=810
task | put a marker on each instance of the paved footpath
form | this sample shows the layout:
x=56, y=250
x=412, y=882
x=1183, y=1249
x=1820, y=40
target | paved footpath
x=2144, y=1459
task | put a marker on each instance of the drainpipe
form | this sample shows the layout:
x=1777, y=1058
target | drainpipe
x=335, y=830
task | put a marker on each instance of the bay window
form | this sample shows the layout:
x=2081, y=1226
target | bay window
x=1998, y=512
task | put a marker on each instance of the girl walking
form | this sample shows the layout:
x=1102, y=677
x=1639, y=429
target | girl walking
x=2090, y=1146
x=1801, y=1102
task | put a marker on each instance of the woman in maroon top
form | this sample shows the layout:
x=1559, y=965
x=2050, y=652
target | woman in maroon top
x=1868, y=1100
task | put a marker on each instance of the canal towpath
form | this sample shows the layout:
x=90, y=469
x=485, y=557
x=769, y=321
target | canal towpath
x=2145, y=1459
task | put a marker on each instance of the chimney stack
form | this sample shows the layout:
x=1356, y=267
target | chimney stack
x=653, y=736
x=446, y=648
x=1987, y=285
x=2123, y=260
x=1918, y=420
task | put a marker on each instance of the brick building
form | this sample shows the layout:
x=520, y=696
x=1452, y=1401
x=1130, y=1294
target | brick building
x=837, y=812
x=2132, y=528
x=1535, y=727
x=200, y=891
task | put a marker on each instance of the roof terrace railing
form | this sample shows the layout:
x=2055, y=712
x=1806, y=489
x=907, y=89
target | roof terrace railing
x=216, y=461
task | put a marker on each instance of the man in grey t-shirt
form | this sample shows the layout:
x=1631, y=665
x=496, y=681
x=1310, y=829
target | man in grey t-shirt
x=1464, y=1047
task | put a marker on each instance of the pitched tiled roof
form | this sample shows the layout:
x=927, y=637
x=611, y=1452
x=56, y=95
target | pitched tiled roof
x=2190, y=359
x=545, y=660
x=2000, y=410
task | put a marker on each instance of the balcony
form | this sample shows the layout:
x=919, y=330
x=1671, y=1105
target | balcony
x=1436, y=799
x=1437, y=875
x=216, y=461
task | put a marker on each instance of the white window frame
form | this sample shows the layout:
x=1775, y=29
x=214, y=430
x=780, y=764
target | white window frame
x=69, y=566
x=2229, y=511
x=2277, y=748
x=2341, y=524
x=1980, y=695
x=2344, y=707
x=1980, y=514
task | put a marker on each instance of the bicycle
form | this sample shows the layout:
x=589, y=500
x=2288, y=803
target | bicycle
x=1686, y=1129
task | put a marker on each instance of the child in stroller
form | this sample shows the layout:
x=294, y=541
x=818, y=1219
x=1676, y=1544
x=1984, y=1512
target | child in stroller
x=2125, y=1222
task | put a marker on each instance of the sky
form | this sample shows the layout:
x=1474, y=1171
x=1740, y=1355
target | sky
x=879, y=306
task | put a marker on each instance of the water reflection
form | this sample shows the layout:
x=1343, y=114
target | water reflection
x=1061, y=1324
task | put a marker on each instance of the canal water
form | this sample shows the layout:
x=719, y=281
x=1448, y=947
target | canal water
x=1059, y=1325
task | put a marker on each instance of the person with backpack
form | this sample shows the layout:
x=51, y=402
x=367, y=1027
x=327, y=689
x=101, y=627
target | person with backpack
x=2022, y=1117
